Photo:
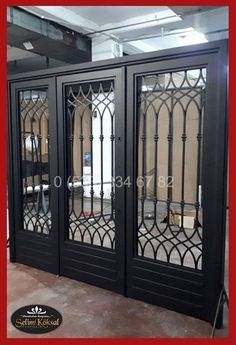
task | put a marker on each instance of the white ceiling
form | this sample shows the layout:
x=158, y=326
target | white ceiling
x=102, y=15
x=199, y=24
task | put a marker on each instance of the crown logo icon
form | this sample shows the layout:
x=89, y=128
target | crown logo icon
x=36, y=311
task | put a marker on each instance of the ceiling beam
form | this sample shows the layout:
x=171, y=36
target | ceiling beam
x=47, y=38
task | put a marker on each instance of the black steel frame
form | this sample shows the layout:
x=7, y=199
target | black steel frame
x=40, y=252
x=176, y=287
x=199, y=287
x=96, y=265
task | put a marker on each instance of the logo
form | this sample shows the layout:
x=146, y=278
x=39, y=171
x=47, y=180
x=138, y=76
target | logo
x=36, y=319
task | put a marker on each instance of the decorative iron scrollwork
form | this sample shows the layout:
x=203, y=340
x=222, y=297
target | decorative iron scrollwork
x=35, y=138
x=90, y=120
x=170, y=134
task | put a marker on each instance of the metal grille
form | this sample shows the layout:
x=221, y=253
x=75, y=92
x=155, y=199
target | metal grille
x=170, y=118
x=90, y=145
x=34, y=164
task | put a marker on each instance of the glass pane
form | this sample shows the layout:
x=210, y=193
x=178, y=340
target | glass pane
x=170, y=118
x=34, y=122
x=91, y=162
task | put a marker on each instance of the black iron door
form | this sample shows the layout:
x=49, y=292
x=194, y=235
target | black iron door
x=175, y=218
x=33, y=127
x=91, y=115
x=117, y=175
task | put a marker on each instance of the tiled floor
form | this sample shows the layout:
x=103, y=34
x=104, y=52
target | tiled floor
x=91, y=312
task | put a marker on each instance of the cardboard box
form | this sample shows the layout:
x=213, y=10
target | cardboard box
x=188, y=218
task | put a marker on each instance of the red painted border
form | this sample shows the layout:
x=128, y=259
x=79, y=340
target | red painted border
x=3, y=131
x=118, y=2
x=3, y=166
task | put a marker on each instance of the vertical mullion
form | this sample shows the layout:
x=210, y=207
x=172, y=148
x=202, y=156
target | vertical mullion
x=143, y=137
x=72, y=143
x=184, y=137
x=25, y=185
x=48, y=162
x=170, y=149
x=82, y=162
x=199, y=144
x=170, y=156
x=33, y=163
x=156, y=137
x=101, y=145
x=39, y=163
x=112, y=137
x=91, y=153
x=40, y=152
x=70, y=118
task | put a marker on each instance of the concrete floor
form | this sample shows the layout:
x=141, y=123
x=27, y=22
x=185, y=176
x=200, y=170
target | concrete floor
x=91, y=312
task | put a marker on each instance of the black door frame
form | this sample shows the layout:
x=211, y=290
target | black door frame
x=187, y=290
x=214, y=53
x=24, y=243
x=97, y=265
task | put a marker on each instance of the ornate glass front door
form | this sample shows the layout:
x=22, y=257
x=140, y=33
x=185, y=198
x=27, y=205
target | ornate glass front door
x=93, y=224
x=34, y=147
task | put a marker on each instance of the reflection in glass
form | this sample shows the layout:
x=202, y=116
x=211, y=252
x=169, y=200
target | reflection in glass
x=90, y=145
x=35, y=157
x=170, y=119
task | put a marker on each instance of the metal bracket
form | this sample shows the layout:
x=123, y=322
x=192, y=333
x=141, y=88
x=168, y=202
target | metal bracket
x=223, y=298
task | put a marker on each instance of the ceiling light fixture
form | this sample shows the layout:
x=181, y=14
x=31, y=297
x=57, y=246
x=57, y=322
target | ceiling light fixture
x=28, y=45
x=162, y=32
x=194, y=37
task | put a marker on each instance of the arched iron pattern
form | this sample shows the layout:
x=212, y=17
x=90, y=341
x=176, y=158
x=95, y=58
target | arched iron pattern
x=161, y=97
x=35, y=143
x=91, y=107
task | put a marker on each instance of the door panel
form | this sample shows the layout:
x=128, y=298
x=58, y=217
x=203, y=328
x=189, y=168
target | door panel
x=169, y=166
x=118, y=176
x=90, y=158
x=35, y=141
x=170, y=229
x=34, y=128
x=92, y=246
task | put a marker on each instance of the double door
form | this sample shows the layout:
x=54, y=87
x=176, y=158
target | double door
x=118, y=179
